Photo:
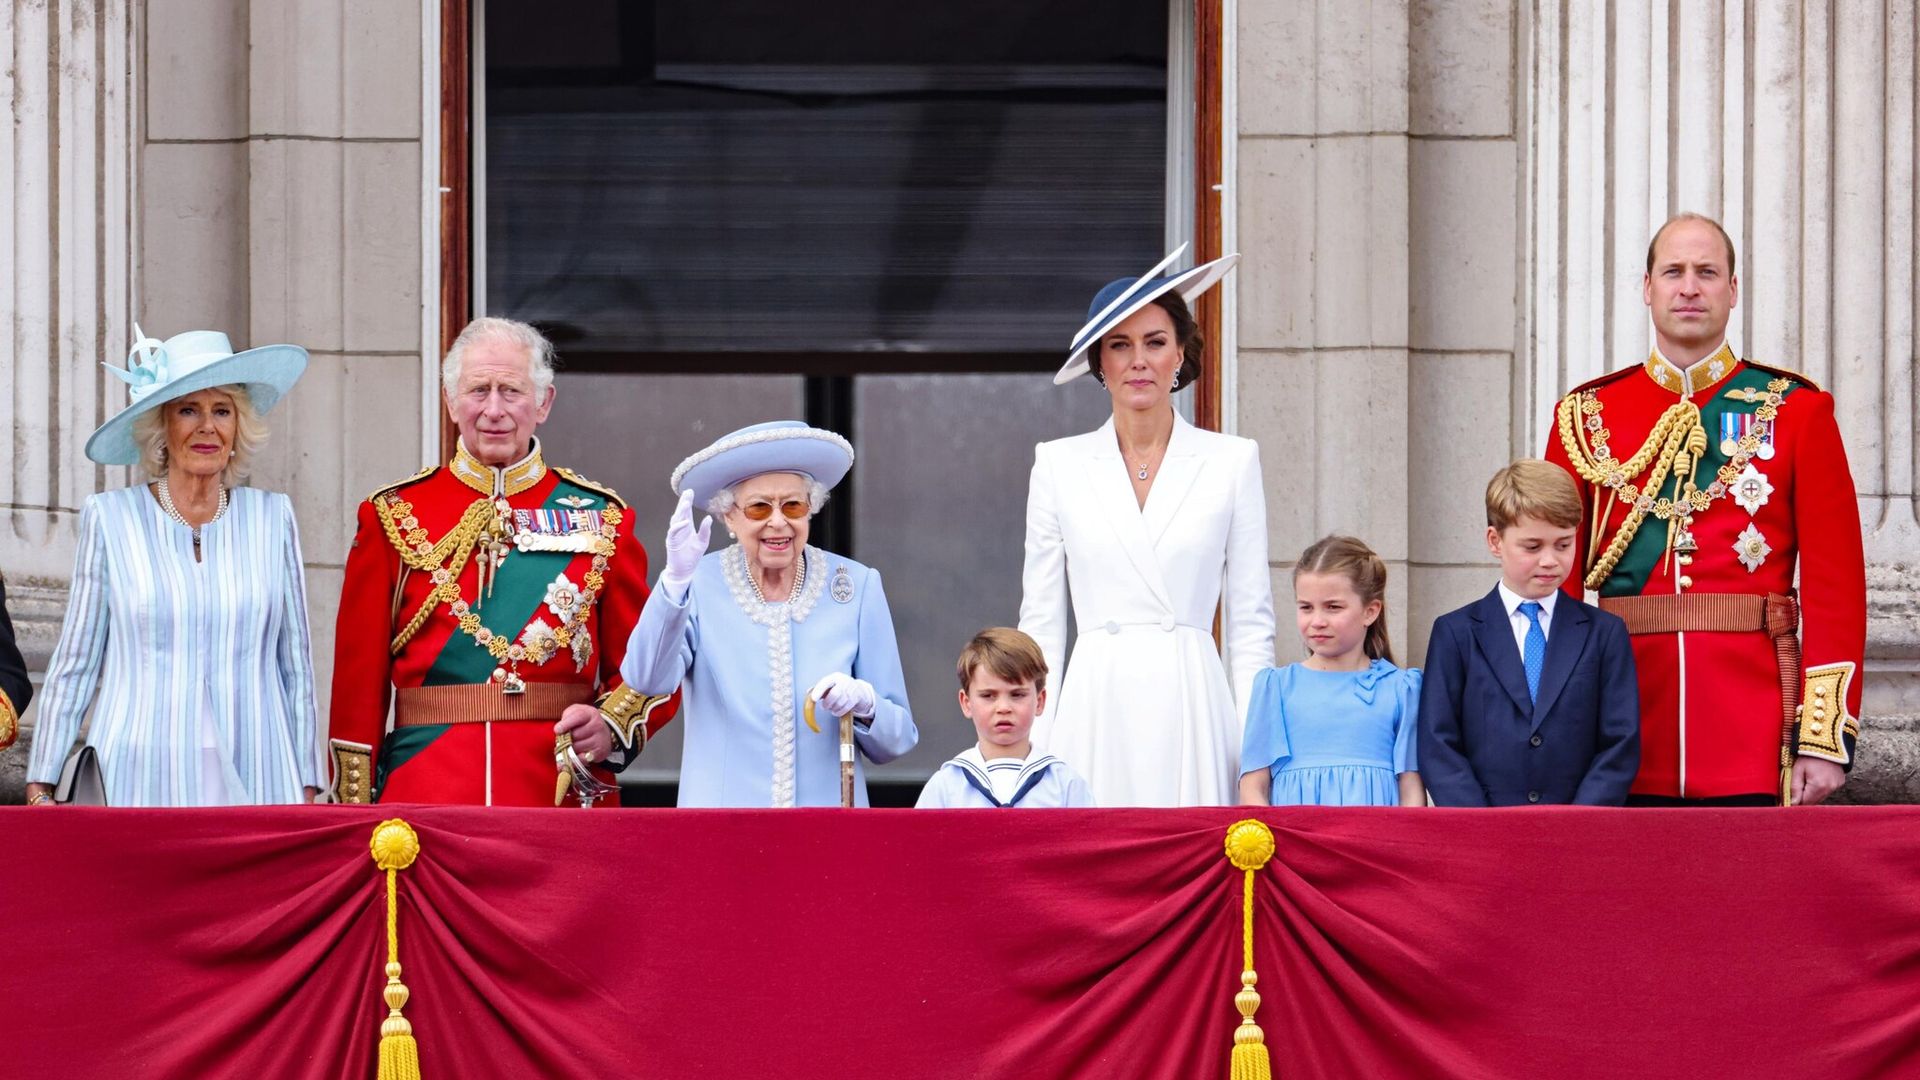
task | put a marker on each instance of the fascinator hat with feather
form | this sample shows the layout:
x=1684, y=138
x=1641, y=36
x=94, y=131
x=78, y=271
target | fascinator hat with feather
x=160, y=371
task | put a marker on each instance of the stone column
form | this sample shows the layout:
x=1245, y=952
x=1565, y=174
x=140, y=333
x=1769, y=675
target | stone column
x=67, y=189
x=1320, y=195
x=1793, y=123
x=253, y=166
x=1464, y=258
x=332, y=159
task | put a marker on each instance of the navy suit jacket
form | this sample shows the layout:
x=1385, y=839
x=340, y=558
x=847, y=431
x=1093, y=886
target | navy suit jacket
x=1485, y=742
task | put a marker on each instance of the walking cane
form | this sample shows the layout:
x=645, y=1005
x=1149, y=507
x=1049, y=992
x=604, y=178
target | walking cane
x=846, y=760
x=846, y=749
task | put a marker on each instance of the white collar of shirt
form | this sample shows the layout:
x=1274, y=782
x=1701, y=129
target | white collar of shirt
x=1518, y=619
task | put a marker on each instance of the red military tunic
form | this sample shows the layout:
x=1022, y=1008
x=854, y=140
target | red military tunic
x=465, y=584
x=1745, y=461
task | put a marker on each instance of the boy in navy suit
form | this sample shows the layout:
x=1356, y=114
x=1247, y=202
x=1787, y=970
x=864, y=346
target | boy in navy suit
x=1529, y=694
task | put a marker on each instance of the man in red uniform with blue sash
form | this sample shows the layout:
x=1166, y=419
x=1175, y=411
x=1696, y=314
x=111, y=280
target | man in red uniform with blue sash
x=489, y=601
x=1707, y=479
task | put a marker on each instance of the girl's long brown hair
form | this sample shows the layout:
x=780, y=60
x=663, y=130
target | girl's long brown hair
x=1355, y=561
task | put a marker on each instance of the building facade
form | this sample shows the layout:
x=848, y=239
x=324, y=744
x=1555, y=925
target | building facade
x=1442, y=206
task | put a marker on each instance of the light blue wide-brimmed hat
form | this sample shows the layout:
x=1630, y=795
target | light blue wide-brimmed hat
x=1120, y=298
x=780, y=446
x=160, y=371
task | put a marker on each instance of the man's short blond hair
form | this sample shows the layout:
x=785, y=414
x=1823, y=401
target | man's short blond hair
x=1007, y=653
x=1536, y=489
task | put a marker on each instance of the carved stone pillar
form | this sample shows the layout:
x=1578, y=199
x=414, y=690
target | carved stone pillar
x=1792, y=121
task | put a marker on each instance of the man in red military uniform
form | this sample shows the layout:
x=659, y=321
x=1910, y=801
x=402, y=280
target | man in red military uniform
x=1706, y=479
x=490, y=600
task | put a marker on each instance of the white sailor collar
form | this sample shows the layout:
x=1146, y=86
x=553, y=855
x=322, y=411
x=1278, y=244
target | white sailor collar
x=973, y=766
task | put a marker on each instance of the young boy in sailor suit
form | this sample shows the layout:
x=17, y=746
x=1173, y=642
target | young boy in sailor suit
x=1003, y=685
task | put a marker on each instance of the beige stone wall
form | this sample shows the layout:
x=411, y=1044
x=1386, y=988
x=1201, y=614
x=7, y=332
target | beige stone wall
x=254, y=167
x=1376, y=203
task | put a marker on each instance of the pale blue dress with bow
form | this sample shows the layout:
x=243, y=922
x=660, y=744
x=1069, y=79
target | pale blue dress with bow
x=744, y=667
x=1333, y=738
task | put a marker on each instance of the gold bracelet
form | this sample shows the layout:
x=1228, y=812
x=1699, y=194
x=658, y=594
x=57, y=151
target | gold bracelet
x=38, y=798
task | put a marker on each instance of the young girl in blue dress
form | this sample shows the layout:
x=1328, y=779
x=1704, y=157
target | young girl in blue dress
x=1338, y=728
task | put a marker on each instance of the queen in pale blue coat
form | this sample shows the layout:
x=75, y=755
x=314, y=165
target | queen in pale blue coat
x=751, y=632
x=186, y=629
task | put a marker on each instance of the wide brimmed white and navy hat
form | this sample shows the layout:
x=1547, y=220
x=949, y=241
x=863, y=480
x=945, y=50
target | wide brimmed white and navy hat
x=1117, y=302
x=780, y=446
x=160, y=371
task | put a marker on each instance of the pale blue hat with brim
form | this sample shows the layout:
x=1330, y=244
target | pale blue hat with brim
x=160, y=371
x=1117, y=301
x=780, y=446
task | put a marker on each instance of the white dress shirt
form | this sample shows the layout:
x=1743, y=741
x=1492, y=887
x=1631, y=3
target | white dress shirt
x=1517, y=619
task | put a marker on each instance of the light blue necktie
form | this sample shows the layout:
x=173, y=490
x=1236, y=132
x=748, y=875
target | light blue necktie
x=1534, y=654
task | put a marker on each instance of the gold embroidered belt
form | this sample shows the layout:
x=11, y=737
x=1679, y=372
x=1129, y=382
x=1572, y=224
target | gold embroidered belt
x=476, y=703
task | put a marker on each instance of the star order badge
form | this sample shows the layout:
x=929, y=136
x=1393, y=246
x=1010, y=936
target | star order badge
x=1751, y=547
x=1751, y=489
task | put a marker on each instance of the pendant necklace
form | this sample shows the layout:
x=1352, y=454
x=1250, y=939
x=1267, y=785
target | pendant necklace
x=1142, y=474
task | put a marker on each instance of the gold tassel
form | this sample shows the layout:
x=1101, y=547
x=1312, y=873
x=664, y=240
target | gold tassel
x=1249, y=846
x=394, y=848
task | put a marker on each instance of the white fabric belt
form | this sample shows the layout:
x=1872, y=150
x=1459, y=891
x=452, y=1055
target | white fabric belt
x=1165, y=624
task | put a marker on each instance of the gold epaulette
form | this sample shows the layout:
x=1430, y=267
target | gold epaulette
x=1784, y=372
x=1600, y=380
x=613, y=497
x=388, y=489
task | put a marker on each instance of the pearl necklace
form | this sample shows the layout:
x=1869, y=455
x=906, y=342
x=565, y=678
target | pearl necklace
x=166, y=504
x=799, y=580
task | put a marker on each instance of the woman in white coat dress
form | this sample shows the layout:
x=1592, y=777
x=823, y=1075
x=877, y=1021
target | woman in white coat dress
x=1146, y=525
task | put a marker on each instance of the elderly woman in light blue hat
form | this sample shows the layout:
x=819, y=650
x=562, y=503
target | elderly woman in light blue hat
x=751, y=632
x=1145, y=528
x=186, y=629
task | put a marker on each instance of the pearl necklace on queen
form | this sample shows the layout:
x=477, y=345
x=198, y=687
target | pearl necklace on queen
x=799, y=580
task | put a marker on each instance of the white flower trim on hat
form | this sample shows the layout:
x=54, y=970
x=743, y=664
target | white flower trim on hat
x=752, y=438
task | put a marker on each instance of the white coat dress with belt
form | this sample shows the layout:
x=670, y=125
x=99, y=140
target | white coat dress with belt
x=1146, y=711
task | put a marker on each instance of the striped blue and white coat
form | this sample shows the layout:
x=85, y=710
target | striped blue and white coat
x=188, y=666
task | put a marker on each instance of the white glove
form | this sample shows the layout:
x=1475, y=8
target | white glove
x=842, y=694
x=685, y=546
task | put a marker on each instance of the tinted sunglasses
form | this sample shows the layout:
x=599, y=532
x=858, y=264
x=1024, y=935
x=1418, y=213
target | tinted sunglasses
x=793, y=509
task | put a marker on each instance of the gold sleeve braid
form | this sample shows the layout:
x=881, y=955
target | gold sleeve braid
x=1824, y=720
x=352, y=771
x=627, y=711
x=9, y=721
